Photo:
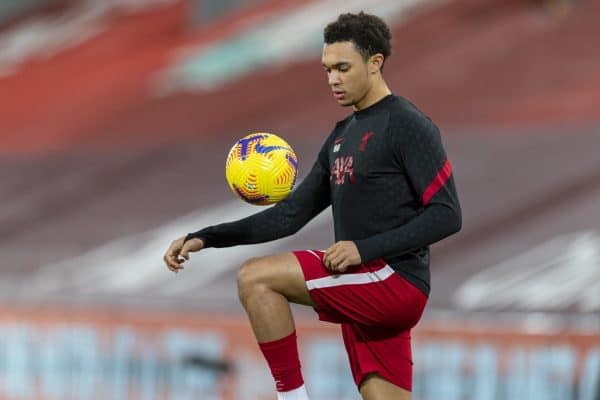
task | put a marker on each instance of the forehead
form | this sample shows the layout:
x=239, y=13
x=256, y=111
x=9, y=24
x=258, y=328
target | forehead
x=339, y=51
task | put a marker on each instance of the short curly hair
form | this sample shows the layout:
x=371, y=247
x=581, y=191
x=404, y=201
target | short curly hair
x=369, y=33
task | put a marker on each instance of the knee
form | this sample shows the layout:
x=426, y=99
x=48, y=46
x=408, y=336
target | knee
x=248, y=278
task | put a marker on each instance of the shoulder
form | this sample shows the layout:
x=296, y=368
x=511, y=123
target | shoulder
x=406, y=114
x=339, y=127
x=341, y=124
x=407, y=120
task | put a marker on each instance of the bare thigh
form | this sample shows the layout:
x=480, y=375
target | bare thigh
x=374, y=387
x=280, y=273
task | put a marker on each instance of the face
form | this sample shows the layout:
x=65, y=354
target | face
x=349, y=75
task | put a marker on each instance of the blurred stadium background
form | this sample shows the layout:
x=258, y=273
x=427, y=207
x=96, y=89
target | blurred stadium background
x=116, y=117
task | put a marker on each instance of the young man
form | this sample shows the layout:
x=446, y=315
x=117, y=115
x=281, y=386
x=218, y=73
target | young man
x=384, y=171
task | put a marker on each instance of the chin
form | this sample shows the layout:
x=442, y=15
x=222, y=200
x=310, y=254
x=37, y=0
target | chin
x=346, y=103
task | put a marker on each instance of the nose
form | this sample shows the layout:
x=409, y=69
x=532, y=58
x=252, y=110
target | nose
x=334, y=78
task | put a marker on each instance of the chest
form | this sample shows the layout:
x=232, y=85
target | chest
x=362, y=153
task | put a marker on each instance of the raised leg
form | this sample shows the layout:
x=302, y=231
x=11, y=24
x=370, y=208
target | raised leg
x=266, y=286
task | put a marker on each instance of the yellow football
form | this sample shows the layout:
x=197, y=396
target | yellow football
x=261, y=168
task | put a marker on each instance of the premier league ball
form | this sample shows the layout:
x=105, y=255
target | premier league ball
x=261, y=168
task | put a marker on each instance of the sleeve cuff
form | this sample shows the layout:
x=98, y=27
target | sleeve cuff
x=197, y=235
x=367, y=251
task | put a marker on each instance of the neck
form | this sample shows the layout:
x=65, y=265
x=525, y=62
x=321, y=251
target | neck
x=377, y=92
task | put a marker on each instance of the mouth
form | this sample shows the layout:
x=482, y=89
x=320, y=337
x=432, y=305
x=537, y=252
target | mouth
x=338, y=94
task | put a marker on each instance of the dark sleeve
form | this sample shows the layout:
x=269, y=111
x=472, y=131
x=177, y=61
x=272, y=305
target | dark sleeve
x=418, y=146
x=285, y=218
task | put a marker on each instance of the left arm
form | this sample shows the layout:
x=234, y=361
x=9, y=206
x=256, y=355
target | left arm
x=418, y=146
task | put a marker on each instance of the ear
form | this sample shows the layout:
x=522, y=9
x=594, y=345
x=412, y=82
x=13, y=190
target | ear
x=375, y=63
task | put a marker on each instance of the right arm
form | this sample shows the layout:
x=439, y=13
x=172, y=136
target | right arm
x=283, y=219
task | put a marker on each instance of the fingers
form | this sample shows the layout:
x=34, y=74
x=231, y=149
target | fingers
x=172, y=256
x=334, y=259
x=328, y=257
x=338, y=264
x=341, y=256
x=178, y=252
x=185, y=250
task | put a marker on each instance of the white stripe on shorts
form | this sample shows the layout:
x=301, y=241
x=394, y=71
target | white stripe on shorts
x=350, y=279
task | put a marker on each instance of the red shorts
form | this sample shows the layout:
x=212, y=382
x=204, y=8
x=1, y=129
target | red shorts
x=376, y=308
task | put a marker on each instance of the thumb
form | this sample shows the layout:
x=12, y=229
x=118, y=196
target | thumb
x=185, y=250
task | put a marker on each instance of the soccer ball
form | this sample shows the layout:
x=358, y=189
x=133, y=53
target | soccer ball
x=261, y=168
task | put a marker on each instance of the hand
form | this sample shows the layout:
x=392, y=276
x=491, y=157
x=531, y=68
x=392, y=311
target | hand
x=340, y=256
x=178, y=252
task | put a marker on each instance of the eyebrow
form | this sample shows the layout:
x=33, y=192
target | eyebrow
x=336, y=65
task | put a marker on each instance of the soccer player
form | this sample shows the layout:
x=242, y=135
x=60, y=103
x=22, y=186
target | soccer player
x=384, y=171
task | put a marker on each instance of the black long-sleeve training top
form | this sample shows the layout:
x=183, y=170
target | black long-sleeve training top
x=384, y=171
